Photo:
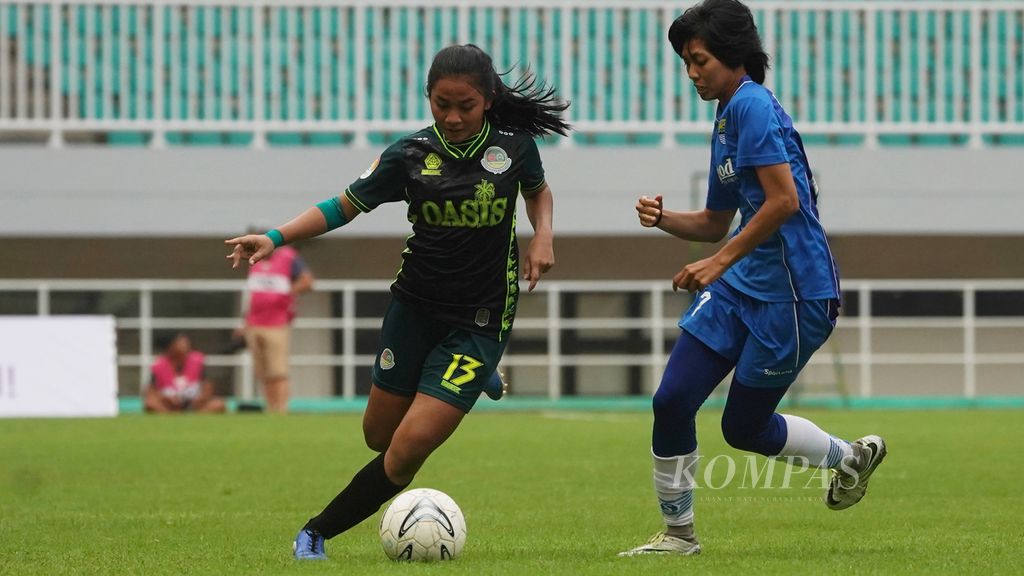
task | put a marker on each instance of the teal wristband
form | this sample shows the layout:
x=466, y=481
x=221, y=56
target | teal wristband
x=335, y=216
x=276, y=237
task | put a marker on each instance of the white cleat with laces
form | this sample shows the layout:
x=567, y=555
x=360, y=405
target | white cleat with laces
x=662, y=543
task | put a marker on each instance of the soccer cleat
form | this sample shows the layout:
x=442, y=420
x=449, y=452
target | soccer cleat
x=496, y=387
x=662, y=543
x=846, y=488
x=309, y=545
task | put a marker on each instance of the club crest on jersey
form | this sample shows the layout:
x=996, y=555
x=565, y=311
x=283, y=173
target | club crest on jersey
x=387, y=359
x=433, y=165
x=721, y=131
x=370, y=170
x=495, y=160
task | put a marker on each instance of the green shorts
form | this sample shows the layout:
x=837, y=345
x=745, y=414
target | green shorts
x=420, y=354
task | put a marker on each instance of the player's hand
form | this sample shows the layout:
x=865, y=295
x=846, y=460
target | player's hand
x=540, y=257
x=698, y=275
x=254, y=247
x=650, y=210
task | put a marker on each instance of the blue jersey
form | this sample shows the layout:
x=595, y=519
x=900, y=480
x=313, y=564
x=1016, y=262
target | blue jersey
x=795, y=262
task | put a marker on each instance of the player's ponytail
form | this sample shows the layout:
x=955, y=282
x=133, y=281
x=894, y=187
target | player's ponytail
x=756, y=65
x=527, y=106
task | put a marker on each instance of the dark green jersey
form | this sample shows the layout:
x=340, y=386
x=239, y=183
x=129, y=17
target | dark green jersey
x=461, y=265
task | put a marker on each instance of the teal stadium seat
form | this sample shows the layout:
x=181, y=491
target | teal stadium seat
x=329, y=139
x=205, y=139
x=287, y=139
x=333, y=51
x=127, y=139
x=381, y=138
x=238, y=139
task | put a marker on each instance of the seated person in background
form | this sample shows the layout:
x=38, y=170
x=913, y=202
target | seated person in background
x=179, y=380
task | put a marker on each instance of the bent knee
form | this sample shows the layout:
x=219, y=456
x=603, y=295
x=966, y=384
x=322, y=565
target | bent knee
x=376, y=439
x=745, y=438
x=738, y=439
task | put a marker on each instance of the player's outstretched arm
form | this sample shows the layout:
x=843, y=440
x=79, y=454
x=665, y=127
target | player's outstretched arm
x=323, y=217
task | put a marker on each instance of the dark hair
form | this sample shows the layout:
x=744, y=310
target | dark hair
x=527, y=106
x=727, y=29
x=162, y=339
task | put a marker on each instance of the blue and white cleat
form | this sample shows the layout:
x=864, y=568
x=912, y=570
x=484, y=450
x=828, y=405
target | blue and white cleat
x=496, y=387
x=309, y=545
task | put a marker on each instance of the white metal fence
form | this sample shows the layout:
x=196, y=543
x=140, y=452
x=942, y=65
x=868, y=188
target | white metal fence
x=259, y=68
x=856, y=344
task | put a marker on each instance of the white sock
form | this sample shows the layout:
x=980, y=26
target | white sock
x=673, y=483
x=804, y=439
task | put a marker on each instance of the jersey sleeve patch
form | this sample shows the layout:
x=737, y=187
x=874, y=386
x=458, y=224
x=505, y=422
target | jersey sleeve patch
x=373, y=166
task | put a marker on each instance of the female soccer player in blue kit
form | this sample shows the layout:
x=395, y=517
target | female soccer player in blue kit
x=765, y=301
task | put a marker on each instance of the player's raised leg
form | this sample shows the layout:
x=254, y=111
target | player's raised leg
x=852, y=464
x=750, y=423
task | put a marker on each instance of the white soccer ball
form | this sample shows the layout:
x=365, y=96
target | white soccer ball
x=423, y=525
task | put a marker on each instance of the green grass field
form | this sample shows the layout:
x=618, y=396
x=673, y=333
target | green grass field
x=543, y=493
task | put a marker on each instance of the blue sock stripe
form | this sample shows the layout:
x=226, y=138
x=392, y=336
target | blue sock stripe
x=835, y=454
x=679, y=506
x=687, y=499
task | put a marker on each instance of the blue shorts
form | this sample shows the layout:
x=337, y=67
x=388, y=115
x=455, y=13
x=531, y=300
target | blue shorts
x=770, y=342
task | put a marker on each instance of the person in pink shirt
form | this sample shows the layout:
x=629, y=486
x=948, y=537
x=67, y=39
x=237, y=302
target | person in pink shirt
x=273, y=286
x=179, y=381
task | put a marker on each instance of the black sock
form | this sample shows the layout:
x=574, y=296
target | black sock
x=363, y=496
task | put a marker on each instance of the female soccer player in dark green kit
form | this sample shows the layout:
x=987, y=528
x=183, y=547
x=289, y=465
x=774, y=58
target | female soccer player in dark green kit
x=455, y=296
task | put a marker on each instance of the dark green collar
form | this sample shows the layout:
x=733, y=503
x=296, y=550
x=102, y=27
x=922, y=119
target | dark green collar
x=468, y=148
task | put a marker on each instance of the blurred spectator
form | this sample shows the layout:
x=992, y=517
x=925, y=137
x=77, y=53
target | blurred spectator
x=273, y=285
x=179, y=380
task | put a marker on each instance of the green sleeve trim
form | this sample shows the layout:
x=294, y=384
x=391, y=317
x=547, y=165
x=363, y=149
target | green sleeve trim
x=355, y=201
x=529, y=190
x=335, y=216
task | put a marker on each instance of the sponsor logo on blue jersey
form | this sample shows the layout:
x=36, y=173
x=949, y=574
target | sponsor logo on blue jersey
x=726, y=171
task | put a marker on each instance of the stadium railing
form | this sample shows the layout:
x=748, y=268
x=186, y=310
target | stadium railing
x=334, y=72
x=979, y=325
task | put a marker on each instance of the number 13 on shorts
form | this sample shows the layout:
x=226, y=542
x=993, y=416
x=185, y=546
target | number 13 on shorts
x=467, y=365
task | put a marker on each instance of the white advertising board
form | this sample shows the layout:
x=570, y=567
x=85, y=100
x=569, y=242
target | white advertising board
x=58, y=366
